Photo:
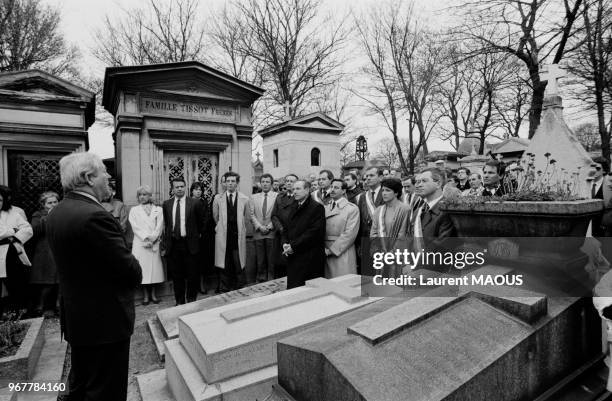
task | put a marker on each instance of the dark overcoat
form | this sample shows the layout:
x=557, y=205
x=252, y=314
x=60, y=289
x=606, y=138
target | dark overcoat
x=306, y=235
x=97, y=272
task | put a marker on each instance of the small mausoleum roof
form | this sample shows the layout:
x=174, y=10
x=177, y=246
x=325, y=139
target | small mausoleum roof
x=40, y=87
x=317, y=122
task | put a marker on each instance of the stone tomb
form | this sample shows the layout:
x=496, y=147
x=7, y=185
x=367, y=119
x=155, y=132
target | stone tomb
x=231, y=350
x=500, y=343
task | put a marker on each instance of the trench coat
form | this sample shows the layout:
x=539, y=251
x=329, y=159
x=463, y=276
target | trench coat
x=44, y=270
x=341, y=229
x=220, y=216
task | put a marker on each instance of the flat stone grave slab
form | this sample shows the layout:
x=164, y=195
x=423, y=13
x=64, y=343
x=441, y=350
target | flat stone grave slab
x=168, y=318
x=241, y=337
x=484, y=344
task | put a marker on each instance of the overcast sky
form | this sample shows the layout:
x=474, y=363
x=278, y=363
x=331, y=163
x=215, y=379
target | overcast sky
x=80, y=19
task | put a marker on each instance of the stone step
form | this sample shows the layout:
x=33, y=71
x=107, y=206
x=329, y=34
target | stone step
x=157, y=334
x=186, y=384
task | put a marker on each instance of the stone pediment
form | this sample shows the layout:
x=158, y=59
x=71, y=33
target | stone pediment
x=41, y=84
x=314, y=121
x=185, y=79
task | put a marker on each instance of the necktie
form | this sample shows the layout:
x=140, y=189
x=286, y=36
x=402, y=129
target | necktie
x=373, y=196
x=231, y=200
x=264, y=208
x=594, y=190
x=177, y=219
x=425, y=209
x=333, y=205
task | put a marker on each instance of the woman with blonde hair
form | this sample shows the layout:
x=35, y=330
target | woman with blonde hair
x=147, y=221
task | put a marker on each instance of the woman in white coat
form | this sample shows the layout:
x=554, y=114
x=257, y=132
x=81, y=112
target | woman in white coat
x=14, y=232
x=147, y=221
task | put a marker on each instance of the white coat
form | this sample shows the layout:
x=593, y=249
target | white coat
x=220, y=217
x=148, y=227
x=341, y=229
x=12, y=223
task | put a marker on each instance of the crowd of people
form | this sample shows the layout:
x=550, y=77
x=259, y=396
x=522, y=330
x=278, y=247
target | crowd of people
x=302, y=227
x=317, y=226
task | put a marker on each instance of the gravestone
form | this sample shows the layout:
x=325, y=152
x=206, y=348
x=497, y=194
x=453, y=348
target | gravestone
x=553, y=136
x=231, y=350
x=486, y=344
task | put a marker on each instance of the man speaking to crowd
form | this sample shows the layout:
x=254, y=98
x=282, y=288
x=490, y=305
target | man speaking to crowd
x=98, y=275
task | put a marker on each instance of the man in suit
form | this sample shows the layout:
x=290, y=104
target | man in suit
x=97, y=276
x=367, y=203
x=341, y=229
x=352, y=190
x=283, y=208
x=431, y=227
x=260, y=207
x=463, y=182
x=409, y=197
x=304, y=243
x=230, y=212
x=322, y=194
x=492, y=177
x=184, y=219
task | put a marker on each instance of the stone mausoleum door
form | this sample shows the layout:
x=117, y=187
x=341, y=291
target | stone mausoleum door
x=192, y=167
x=31, y=174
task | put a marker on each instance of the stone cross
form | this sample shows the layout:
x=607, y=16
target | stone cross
x=287, y=108
x=348, y=290
x=551, y=73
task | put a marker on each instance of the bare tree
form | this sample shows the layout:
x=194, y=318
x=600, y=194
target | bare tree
x=30, y=38
x=298, y=57
x=588, y=135
x=381, y=86
x=161, y=32
x=387, y=152
x=592, y=64
x=533, y=31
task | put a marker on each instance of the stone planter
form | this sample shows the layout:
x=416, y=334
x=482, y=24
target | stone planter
x=527, y=234
x=20, y=366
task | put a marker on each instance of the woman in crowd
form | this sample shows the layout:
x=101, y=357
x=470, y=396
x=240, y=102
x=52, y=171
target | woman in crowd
x=476, y=187
x=390, y=223
x=43, y=276
x=115, y=207
x=147, y=222
x=14, y=232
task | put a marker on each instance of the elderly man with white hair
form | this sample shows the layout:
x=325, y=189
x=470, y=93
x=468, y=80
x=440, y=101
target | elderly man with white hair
x=97, y=276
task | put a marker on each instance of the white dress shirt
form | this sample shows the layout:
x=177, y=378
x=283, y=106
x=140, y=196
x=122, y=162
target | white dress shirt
x=181, y=202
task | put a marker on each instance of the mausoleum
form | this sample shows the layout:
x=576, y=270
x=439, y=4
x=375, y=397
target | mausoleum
x=179, y=120
x=42, y=118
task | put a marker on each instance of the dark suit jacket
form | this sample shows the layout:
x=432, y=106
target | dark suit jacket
x=437, y=228
x=195, y=215
x=281, y=213
x=499, y=192
x=365, y=218
x=97, y=272
x=306, y=234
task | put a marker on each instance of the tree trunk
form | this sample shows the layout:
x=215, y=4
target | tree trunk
x=537, y=100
